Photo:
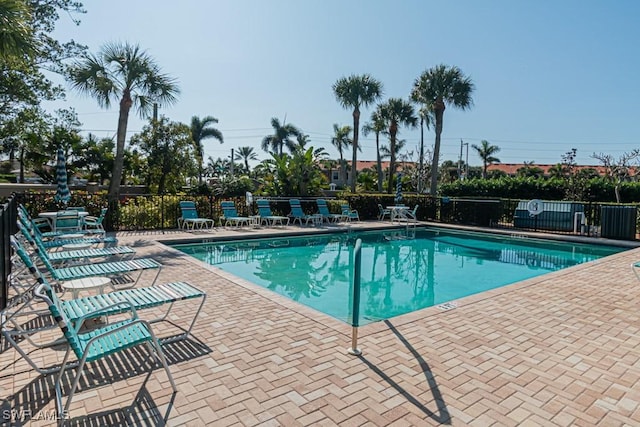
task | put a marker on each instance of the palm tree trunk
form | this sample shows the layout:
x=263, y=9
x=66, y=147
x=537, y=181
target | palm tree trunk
x=439, y=113
x=118, y=164
x=379, y=162
x=393, y=130
x=421, y=159
x=356, y=126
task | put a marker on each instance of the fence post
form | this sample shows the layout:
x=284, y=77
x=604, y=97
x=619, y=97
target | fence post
x=354, y=350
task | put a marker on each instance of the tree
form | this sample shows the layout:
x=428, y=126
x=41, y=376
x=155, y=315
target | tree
x=394, y=113
x=127, y=74
x=530, y=170
x=98, y=158
x=168, y=147
x=485, y=152
x=16, y=37
x=618, y=170
x=557, y=171
x=377, y=126
x=245, y=154
x=435, y=88
x=281, y=136
x=353, y=92
x=200, y=130
x=341, y=141
x=426, y=119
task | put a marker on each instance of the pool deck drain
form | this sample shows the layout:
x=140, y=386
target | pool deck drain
x=559, y=349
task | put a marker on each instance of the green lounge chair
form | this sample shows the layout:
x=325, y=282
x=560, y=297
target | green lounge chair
x=99, y=343
x=264, y=210
x=349, y=214
x=80, y=309
x=298, y=214
x=230, y=215
x=323, y=210
x=190, y=219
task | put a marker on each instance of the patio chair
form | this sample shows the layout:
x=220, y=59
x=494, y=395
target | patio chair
x=298, y=214
x=408, y=215
x=99, y=343
x=80, y=309
x=93, y=224
x=80, y=254
x=60, y=240
x=382, y=212
x=230, y=215
x=323, y=210
x=67, y=222
x=190, y=219
x=267, y=217
x=116, y=269
x=349, y=214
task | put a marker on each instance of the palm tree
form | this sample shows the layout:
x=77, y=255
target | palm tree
x=200, y=130
x=376, y=126
x=435, y=88
x=486, y=152
x=353, y=92
x=341, y=141
x=396, y=112
x=245, y=154
x=281, y=137
x=127, y=74
x=426, y=119
x=16, y=37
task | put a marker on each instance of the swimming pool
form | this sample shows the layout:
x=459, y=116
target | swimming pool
x=400, y=273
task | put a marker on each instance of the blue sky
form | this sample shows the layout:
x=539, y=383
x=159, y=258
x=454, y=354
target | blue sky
x=549, y=76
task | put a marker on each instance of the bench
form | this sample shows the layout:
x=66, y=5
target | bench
x=555, y=216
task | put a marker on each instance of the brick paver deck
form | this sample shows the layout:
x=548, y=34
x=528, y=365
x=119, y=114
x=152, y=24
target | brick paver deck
x=561, y=349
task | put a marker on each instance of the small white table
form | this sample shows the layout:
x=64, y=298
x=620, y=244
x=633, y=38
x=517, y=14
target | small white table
x=398, y=212
x=254, y=221
x=51, y=217
x=88, y=283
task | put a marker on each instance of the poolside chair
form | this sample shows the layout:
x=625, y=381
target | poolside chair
x=190, y=219
x=81, y=254
x=349, y=214
x=60, y=241
x=230, y=215
x=80, y=309
x=382, y=212
x=264, y=210
x=116, y=269
x=99, y=343
x=67, y=222
x=298, y=214
x=93, y=224
x=323, y=210
x=408, y=215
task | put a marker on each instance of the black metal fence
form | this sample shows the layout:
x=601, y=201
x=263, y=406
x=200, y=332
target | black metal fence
x=8, y=226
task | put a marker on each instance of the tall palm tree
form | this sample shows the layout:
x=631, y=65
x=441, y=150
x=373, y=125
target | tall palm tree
x=245, y=154
x=200, y=130
x=377, y=126
x=435, y=88
x=281, y=136
x=353, y=92
x=486, y=152
x=123, y=73
x=341, y=141
x=396, y=112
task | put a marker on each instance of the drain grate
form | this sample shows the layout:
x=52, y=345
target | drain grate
x=448, y=306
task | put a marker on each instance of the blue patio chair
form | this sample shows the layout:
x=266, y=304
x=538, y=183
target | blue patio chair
x=298, y=214
x=190, y=219
x=67, y=222
x=80, y=309
x=323, y=210
x=267, y=217
x=230, y=215
x=382, y=212
x=82, y=254
x=60, y=241
x=93, y=224
x=99, y=343
x=349, y=214
x=116, y=269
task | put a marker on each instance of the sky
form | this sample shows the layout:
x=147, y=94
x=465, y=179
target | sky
x=549, y=75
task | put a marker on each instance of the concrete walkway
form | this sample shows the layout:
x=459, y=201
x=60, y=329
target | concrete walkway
x=561, y=349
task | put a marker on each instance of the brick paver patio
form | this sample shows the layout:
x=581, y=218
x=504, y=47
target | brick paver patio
x=561, y=349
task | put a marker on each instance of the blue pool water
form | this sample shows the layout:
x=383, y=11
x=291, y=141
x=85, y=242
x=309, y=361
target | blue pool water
x=399, y=274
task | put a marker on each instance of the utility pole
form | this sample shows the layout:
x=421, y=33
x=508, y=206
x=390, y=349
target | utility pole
x=466, y=164
x=460, y=161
